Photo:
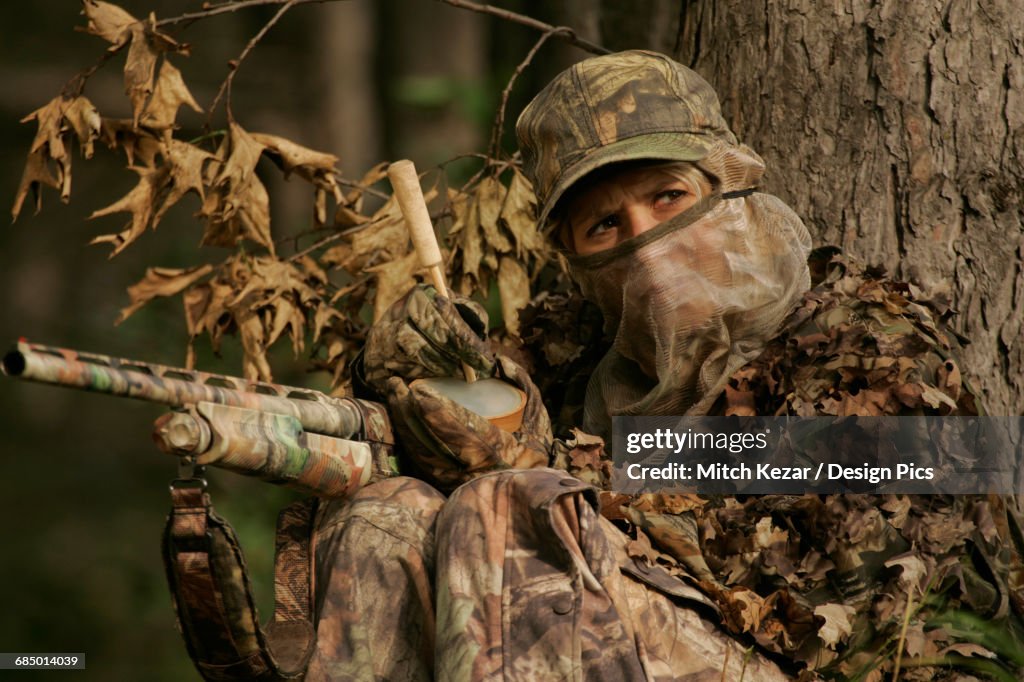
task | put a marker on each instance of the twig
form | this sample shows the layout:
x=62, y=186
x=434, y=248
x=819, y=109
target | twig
x=351, y=184
x=225, y=7
x=335, y=236
x=225, y=87
x=516, y=18
x=468, y=155
x=499, y=122
x=76, y=85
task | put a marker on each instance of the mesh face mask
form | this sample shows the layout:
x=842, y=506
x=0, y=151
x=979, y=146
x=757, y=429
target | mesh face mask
x=693, y=299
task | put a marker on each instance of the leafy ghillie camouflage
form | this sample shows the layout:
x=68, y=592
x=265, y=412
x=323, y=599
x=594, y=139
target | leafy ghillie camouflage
x=830, y=580
x=887, y=350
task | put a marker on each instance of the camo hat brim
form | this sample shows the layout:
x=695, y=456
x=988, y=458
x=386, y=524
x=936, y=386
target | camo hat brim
x=620, y=107
x=656, y=147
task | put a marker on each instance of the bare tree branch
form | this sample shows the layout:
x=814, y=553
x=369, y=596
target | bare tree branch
x=234, y=65
x=76, y=86
x=565, y=32
x=499, y=121
x=569, y=35
x=227, y=7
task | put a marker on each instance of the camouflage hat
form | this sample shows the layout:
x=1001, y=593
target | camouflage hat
x=619, y=107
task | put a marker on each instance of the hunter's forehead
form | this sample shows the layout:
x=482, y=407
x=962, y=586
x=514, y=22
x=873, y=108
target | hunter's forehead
x=618, y=183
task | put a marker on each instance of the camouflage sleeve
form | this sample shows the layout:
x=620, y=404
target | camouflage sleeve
x=533, y=584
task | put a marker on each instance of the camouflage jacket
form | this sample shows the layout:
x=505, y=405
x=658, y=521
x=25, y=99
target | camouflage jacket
x=831, y=581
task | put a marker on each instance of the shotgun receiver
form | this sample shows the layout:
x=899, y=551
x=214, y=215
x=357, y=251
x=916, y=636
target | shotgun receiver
x=296, y=437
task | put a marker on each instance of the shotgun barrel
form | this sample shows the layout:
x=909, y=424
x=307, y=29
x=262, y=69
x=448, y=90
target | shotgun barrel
x=176, y=387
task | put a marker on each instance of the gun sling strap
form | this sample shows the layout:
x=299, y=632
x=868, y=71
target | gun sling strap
x=212, y=594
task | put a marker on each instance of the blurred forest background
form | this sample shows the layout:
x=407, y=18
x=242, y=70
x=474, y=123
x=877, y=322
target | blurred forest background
x=894, y=129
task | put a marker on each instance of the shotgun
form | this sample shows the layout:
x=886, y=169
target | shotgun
x=303, y=439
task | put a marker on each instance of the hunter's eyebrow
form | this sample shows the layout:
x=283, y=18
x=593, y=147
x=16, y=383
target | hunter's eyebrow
x=610, y=202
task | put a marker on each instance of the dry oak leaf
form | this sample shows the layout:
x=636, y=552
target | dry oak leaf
x=315, y=167
x=837, y=626
x=168, y=95
x=138, y=144
x=262, y=297
x=106, y=20
x=323, y=319
x=743, y=609
x=279, y=291
x=254, y=362
x=54, y=121
x=519, y=217
x=313, y=269
x=287, y=315
x=353, y=201
x=187, y=165
x=49, y=132
x=237, y=206
x=465, y=242
x=394, y=280
x=147, y=46
x=490, y=199
x=495, y=235
x=269, y=278
x=139, y=70
x=384, y=238
x=161, y=282
x=205, y=308
x=915, y=572
x=85, y=120
x=36, y=174
x=140, y=202
x=514, y=289
x=767, y=535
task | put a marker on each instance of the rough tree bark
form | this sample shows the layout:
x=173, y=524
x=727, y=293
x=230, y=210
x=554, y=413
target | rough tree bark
x=896, y=130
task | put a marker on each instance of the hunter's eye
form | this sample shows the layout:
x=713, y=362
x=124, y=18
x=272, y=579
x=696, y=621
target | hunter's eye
x=603, y=226
x=669, y=196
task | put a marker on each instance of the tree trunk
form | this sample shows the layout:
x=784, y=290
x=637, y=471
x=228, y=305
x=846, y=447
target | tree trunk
x=896, y=130
x=351, y=113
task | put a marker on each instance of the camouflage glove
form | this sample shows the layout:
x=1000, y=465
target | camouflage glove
x=426, y=335
x=451, y=445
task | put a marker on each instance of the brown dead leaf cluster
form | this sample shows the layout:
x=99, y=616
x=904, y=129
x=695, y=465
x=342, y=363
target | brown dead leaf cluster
x=260, y=298
x=361, y=262
x=155, y=98
x=377, y=250
x=494, y=237
x=49, y=157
